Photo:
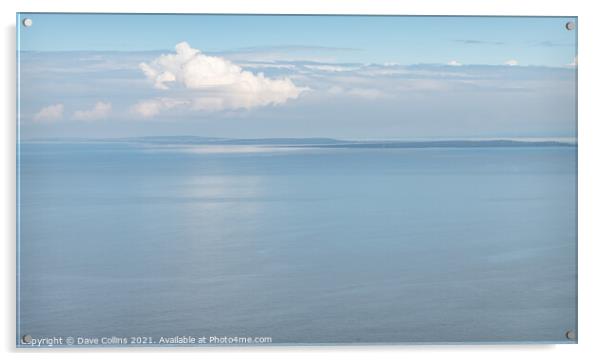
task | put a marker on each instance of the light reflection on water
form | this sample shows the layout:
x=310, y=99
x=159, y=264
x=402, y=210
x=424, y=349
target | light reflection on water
x=221, y=149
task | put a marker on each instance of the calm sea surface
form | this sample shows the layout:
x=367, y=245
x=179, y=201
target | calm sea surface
x=301, y=245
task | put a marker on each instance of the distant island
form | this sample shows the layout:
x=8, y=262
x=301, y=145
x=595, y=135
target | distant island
x=321, y=142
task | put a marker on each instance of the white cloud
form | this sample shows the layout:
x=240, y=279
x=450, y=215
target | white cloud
x=454, y=63
x=99, y=111
x=511, y=62
x=211, y=83
x=49, y=113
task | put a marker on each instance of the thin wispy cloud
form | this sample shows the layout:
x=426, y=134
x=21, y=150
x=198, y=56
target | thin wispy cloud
x=551, y=44
x=292, y=48
x=478, y=42
x=287, y=52
x=330, y=67
x=100, y=110
x=355, y=92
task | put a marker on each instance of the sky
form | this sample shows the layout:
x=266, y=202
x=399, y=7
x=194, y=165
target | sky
x=351, y=77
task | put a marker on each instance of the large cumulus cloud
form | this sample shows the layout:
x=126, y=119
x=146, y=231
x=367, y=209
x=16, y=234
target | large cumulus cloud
x=191, y=79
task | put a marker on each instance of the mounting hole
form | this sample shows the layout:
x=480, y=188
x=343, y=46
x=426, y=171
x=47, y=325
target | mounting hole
x=570, y=25
x=27, y=22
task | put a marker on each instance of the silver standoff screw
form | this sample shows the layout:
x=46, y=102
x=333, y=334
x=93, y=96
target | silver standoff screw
x=570, y=25
x=26, y=339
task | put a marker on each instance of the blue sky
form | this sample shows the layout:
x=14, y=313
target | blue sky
x=256, y=76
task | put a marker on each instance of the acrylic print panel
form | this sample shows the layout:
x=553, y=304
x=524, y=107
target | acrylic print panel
x=193, y=180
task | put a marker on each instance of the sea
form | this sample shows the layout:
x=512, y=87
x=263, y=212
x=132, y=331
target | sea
x=297, y=244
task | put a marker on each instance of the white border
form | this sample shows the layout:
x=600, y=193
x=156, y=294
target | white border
x=590, y=180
